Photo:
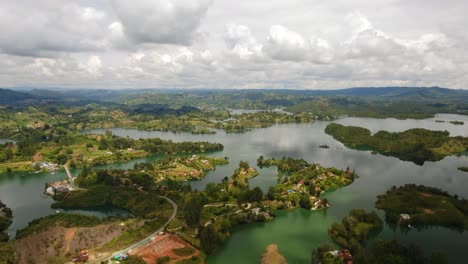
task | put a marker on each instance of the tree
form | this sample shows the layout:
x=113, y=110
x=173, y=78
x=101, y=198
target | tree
x=305, y=202
x=62, y=159
x=209, y=239
x=244, y=165
x=192, y=209
x=134, y=260
x=255, y=195
x=212, y=190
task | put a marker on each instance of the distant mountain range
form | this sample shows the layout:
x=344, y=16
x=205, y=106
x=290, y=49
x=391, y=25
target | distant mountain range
x=24, y=96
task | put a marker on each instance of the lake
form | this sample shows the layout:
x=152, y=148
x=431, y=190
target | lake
x=296, y=232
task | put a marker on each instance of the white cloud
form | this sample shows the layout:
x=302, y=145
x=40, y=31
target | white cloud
x=241, y=42
x=233, y=44
x=160, y=21
x=93, y=66
x=285, y=44
x=46, y=27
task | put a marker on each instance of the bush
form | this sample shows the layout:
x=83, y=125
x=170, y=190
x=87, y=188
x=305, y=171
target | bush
x=183, y=252
x=163, y=260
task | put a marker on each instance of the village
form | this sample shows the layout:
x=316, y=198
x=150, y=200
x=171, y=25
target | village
x=185, y=168
x=302, y=184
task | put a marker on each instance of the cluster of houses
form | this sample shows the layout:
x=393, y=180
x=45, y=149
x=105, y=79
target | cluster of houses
x=244, y=172
x=344, y=255
x=258, y=211
x=58, y=187
x=49, y=166
x=36, y=125
x=300, y=188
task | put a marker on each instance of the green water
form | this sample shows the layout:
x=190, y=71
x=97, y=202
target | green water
x=296, y=232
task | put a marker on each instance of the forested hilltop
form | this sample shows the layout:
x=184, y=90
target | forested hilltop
x=400, y=102
x=417, y=145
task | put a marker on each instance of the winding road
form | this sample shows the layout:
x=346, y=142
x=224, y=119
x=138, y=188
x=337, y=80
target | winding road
x=149, y=238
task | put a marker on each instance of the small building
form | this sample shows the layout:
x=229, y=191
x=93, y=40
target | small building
x=121, y=257
x=405, y=217
x=62, y=189
x=265, y=214
x=82, y=257
x=256, y=210
x=345, y=255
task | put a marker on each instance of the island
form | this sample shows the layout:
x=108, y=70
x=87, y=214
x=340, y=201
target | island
x=464, y=168
x=456, y=122
x=418, y=206
x=355, y=228
x=304, y=182
x=354, y=245
x=416, y=145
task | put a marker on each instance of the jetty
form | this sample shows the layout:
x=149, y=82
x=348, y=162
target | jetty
x=71, y=179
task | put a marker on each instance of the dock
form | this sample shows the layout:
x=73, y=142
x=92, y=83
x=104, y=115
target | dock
x=71, y=179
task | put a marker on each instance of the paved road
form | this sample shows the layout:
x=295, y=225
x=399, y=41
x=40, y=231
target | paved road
x=148, y=238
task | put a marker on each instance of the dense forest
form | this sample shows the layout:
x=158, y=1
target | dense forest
x=354, y=235
x=425, y=206
x=417, y=145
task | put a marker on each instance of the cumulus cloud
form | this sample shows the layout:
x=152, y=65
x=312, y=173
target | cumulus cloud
x=285, y=44
x=46, y=27
x=93, y=65
x=241, y=42
x=232, y=44
x=372, y=43
x=160, y=21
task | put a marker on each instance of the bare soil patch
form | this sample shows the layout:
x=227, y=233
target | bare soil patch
x=59, y=242
x=425, y=194
x=161, y=246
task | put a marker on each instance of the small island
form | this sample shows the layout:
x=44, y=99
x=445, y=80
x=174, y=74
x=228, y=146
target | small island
x=355, y=228
x=304, y=182
x=355, y=246
x=456, y=122
x=418, y=205
x=465, y=168
x=416, y=145
x=324, y=146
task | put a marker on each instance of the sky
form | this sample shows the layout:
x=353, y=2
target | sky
x=294, y=44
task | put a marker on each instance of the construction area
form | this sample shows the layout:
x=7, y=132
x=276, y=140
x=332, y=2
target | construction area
x=165, y=245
